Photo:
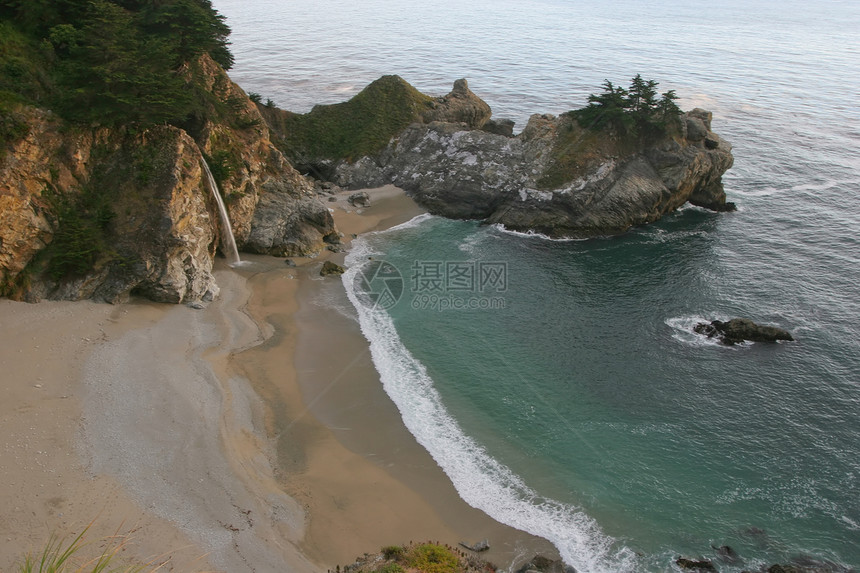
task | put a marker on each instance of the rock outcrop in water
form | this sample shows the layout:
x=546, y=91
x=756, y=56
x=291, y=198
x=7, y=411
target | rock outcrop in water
x=739, y=330
x=104, y=213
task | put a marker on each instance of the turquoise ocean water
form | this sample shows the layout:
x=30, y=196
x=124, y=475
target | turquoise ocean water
x=568, y=396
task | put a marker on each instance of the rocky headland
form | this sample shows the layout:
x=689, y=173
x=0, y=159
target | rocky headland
x=556, y=177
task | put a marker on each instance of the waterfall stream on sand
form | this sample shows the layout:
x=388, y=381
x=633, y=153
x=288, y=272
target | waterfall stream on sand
x=228, y=242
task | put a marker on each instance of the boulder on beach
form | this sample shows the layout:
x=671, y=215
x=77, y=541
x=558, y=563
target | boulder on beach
x=360, y=199
x=330, y=268
x=740, y=329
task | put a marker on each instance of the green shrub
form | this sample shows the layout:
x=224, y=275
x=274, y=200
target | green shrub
x=393, y=551
x=81, y=236
x=223, y=163
x=432, y=558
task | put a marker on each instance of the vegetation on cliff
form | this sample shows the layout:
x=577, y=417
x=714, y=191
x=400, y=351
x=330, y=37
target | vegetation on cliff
x=426, y=557
x=107, y=62
x=633, y=112
x=361, y=126
x=615, y=123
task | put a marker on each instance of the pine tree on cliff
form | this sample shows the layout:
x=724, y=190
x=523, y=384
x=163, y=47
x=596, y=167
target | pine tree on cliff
x=608, y=109
x=667, y=109
x=632, y=113
x=642, y=96
x=108, y=62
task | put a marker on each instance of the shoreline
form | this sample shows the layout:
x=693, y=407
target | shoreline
x=363, y=479
x=251, y=435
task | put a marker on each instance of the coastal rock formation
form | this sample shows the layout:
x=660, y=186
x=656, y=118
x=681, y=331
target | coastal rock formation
x=59, y=190
x=360, y=199
x=518, y=182
x=108, y=212
x=741, y=329
x=363, y=126
x=541, y=564
x=556, y=177
x=273, y=208
x=459, y=106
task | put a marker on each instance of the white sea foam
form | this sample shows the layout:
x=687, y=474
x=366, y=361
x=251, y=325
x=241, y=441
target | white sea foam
x=482, y=481
x=682, y=331
x=531, y=234
x=470, y=244
x=412, y=223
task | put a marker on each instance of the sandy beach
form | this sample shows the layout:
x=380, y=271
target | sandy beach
x=252, y=435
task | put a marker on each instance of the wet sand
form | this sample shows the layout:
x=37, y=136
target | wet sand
x=251, y=435
x=363, y=478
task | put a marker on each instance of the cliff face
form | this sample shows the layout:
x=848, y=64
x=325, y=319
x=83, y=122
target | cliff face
x=555, y=178
x=104, y=213
x=273, y=208
x=364, y=125
x=156, y=238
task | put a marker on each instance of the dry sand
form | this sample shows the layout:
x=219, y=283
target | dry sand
x=250, y=436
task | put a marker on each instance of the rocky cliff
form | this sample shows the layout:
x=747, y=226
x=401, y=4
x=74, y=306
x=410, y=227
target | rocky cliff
x=555, y=178
x=363, y=126
x=103, y=213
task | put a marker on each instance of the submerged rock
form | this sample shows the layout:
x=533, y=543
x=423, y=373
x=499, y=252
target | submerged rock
x=741, y=329
x=804, y=564
x=727, y=553
x=695, y=565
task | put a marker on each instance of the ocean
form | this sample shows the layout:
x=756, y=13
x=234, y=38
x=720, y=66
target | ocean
x=558, y=383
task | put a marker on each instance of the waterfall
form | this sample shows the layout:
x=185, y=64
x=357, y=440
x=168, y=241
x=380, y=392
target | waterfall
x=228, y=241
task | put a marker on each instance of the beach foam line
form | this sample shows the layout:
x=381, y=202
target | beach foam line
x=481, y=481
x=531, y=234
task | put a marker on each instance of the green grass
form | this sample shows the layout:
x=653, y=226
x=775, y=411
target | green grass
x=22, y=66
x=361, y=126
x=82, y=556
x=578, y=150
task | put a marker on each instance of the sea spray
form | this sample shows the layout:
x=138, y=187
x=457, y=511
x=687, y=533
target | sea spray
x=228, y=241
x=481, y=480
